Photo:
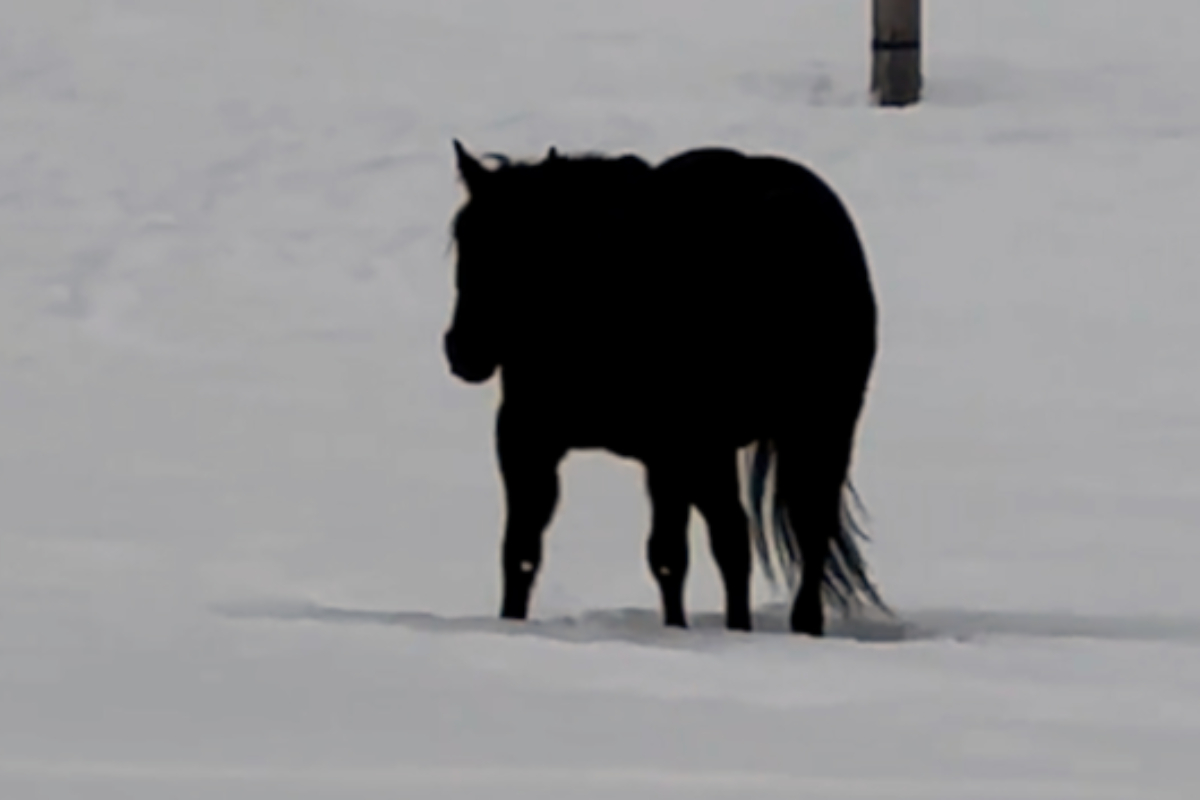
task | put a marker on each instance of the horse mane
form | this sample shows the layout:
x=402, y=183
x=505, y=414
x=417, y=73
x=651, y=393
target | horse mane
x=594, y=176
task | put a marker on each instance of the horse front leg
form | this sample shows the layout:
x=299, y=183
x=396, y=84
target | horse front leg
x=529, y=467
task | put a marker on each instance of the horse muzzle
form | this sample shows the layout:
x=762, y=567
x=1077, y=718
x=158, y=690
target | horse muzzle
x=471, y=370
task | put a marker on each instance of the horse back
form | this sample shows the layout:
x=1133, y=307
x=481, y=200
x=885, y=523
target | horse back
x=763, y=247
x=702, y=302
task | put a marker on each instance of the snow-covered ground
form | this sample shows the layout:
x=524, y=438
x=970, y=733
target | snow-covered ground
x=249, y=523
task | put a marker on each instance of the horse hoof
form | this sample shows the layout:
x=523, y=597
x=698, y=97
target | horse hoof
x=514, y=612
x=809, y=624
x=738, y=623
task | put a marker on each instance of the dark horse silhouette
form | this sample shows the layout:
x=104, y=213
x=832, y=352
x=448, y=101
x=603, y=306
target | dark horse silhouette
x=674, y=315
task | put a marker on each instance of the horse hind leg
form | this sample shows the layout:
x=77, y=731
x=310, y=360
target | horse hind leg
x=811, y=477
x=667, y=547
x=530, y=472
x=717, y=497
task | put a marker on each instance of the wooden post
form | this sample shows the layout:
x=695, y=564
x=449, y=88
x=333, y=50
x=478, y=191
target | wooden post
x=896, y=52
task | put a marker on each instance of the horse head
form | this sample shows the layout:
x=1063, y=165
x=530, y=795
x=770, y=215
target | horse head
x=473, y=341
x=537, y=244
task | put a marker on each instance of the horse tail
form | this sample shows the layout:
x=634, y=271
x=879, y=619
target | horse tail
x=779, y=543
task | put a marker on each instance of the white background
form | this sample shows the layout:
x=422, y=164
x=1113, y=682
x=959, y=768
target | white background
x=249, y=523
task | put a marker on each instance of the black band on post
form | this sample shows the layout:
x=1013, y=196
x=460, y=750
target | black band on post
x=910, y=44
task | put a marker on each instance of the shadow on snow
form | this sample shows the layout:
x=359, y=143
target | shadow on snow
x=644, y=626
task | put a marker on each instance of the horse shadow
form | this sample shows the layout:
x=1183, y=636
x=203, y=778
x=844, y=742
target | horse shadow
x=644, y=626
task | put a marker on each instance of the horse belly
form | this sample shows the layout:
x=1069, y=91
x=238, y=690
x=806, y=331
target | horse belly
x=636, y=413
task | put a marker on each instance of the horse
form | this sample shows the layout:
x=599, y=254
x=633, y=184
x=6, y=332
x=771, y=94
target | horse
x=678, y=315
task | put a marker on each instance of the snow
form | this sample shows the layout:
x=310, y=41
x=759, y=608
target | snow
x=249, y=523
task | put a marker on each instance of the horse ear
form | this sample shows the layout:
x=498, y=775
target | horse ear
x=473, y=173
x=553, y=154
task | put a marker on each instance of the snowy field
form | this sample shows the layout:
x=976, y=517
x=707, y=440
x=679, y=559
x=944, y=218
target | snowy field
x=249, y=523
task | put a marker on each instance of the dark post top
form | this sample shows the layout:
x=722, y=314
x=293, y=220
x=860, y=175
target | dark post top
x=896, y=52
x=897, y=24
